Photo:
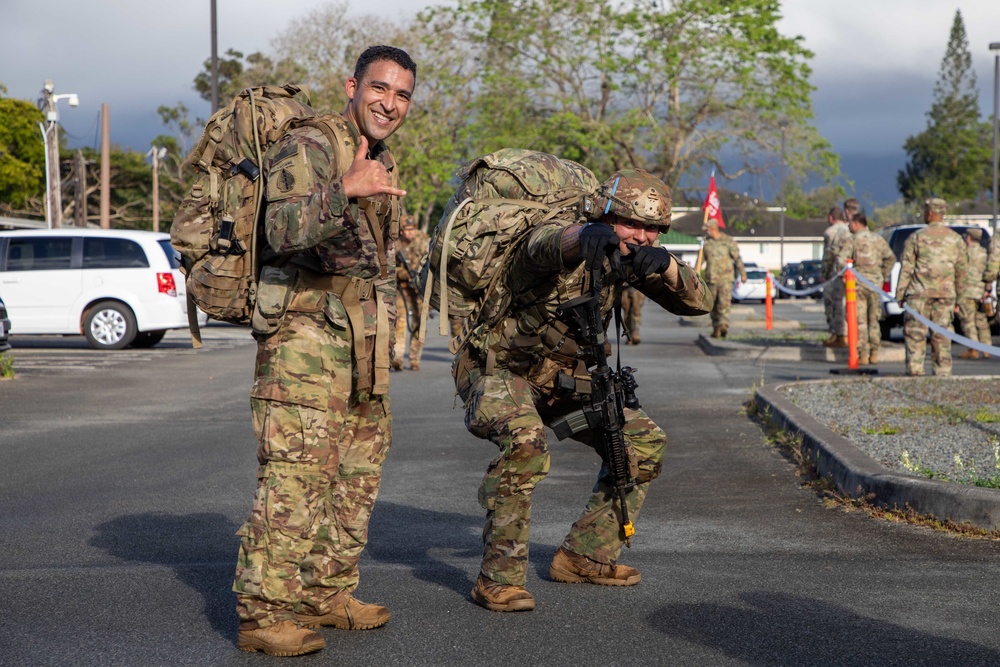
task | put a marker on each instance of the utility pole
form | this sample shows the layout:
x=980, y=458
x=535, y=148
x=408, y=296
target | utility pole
x=157, y=155
x=781, y=225
x=80, y=201
x=215, y=62
x=105, y=168
x=995, y=46
x=50, y=135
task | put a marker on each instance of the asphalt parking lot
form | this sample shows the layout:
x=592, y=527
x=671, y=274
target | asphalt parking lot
x=126, y=479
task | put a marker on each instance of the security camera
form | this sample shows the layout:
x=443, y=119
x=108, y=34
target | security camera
x=73, y=101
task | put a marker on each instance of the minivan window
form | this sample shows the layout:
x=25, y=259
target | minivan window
x=111, y=253
x=172, y=256
x=34, y=253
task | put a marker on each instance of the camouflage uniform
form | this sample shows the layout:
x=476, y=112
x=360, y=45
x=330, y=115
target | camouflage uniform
x=319, y=402
x=520, y=375
x=721, y=256
x=873, y=259
x=933, y=263
x=632, y=301
x=835, y=236
x=974, y=322
x=408, y=299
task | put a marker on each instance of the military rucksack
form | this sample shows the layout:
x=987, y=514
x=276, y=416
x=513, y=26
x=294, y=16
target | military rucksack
x=502, y=196
x=217, y=226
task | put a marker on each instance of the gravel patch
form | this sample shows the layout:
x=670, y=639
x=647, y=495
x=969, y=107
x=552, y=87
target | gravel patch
x=944, y=428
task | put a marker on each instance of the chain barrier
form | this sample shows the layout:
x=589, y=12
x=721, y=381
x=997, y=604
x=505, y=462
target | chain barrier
x=936, y=328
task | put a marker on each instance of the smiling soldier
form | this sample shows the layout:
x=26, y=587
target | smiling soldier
x=324, y=321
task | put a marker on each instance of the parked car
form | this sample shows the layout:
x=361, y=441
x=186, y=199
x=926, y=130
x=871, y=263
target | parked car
x=789, y=278
x=896, y=236
x=4, y=328
x=810, y=275
x=115, y=287
x=755, y=286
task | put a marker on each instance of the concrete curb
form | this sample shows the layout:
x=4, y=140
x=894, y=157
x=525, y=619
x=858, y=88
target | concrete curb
x=890, y=352
x=857, y=474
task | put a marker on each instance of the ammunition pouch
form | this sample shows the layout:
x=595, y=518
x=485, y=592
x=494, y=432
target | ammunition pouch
x=274, y=293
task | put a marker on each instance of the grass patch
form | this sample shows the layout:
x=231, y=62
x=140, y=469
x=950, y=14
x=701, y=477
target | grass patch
x=951, y=415
x=880, y=429
x=7, y=366
x=987, y=417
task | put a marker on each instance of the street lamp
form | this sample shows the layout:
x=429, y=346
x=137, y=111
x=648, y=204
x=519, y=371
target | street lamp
x=157, y=155
x=995, y=46
x=50, y=135
x=781, y=221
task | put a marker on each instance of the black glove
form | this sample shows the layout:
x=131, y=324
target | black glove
x=647, y=260
x=598, y=241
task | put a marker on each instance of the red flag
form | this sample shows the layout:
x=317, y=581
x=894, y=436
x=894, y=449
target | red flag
x=713, y=210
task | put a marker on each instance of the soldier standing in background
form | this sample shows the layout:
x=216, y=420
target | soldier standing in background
x=411, y=248
x=835, y=236
x=970, y=295
x=632, y=300
x=722, y=262
x=320, y=395
x=873, y=259
x=934, y=264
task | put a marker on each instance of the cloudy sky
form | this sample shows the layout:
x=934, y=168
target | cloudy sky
x=875, y=63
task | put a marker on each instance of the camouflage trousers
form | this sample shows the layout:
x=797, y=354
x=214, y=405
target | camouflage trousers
x=834, y=295
x=407, y=310
x=940, y=312
x=321, y=445
x=504, y=409
x=869, y=308
x=722, y=302
x=632, y=301
x=974, y=322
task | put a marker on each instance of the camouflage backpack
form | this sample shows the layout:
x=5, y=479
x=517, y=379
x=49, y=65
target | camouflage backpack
x=216, y=229
x=502, y=196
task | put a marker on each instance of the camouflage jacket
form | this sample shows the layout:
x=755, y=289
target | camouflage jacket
x=535, y=340
x=934, y=263
x=973, y=286
x=835, y=236
x=413, y=252
x=992, y=261
x=721, y=255
x=871, y=254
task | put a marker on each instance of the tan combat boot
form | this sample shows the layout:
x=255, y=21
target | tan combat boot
x=838, y=342
x=352, y=615
x=873, y=356
x=863, y=359
x=723, y=330
x=572, y=568
x=969, y=354
x=284, y=638
x=414, y=365
x=985, y=355
x=397, y=364
x=715, y=332
x=829, y=339
x=501, y=597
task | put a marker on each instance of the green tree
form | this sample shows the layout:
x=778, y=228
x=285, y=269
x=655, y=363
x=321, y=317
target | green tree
x=22, y=157
x=949, y=159
x=237, y=73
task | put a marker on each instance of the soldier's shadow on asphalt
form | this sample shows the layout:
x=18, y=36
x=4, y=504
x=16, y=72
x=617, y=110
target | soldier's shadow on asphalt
x=778, y=628
x=200, y=548
x=422, y=538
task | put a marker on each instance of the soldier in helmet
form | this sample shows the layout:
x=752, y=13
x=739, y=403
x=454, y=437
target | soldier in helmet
x=934, y=263
x=722, y=262
x=411, y=248
x=532, y=368
x=970, y=295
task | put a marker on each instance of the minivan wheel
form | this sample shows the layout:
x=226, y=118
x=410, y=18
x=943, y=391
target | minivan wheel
x=148, y=338
x=109, y=325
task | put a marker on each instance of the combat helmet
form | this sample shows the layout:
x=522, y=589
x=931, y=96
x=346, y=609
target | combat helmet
x=637, y=195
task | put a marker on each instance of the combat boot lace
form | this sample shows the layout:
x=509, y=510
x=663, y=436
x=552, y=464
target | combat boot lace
x=351, y=615
x=284, y=638
x=501, y=597
x=572, y=568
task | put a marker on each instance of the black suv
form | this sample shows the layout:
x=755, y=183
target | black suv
x=4, y=328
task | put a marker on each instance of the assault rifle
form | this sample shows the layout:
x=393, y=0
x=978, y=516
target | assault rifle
x=603, y=409
x=412, y=318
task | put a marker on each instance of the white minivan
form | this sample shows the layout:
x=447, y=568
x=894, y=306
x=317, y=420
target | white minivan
x=116, y=287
